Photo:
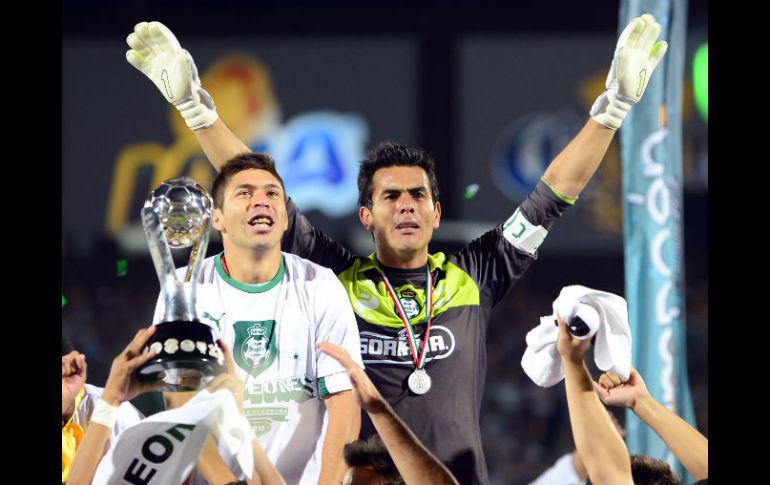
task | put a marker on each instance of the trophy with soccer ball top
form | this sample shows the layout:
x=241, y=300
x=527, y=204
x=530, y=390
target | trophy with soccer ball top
x=176, y=215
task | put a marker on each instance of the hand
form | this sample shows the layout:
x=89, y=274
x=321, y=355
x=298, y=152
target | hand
x=613, y=392
x=636, y=57
x=73, y=376
x=157, y=54
x=366, y=394
x=229, y=379
x=121, y=384
x=571, y=348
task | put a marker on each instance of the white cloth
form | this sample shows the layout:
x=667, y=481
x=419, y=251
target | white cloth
x=561, y=473
x=86, y=408
x=163, y=448
x=612, y=347
x=272, y=330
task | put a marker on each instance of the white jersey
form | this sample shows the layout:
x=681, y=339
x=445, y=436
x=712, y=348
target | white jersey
x=272, y=329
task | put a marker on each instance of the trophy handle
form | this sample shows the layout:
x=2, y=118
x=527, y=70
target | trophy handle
x=198, y=252
x=179, y=297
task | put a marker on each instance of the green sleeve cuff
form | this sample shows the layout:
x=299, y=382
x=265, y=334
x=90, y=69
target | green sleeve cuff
x=565, y=198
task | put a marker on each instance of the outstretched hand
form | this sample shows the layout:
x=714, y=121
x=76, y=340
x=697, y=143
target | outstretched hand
x=121, y=384
x=366, y=394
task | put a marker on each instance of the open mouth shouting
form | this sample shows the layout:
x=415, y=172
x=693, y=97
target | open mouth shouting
x=261, y=222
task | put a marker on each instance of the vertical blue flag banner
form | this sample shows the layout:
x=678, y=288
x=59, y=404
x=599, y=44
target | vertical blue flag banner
x=651, y=151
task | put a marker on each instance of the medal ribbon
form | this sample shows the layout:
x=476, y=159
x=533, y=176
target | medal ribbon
x=419, y=359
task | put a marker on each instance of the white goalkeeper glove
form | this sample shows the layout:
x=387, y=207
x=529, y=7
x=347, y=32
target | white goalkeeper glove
x=636, y=56
x=157, y=54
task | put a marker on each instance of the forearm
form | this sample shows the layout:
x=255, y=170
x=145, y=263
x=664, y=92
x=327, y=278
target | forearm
x=574, y=166
x=689, y=446
x=89, y=454
x=264, y=471
x=414, y=462
x=211, y=466
x=601, y=448
x=343, y=427
x=220, y=144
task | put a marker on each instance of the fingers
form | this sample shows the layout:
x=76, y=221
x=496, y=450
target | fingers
x=658, y=51
x=608, y=380
x=563, y=331
x=229, y=361
x=73, y=363
x=141, y=360
x=136, y=43
x=337, y=353
x=162, y=38
x=630, y=35
x=650, y=33
x=136, y=345
x=81, y=364
x=601, y=391
x=136, y=59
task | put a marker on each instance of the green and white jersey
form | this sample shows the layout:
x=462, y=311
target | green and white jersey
x=272, y=329
x=466, y=286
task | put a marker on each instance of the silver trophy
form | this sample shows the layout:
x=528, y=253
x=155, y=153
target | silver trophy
x=176, y=215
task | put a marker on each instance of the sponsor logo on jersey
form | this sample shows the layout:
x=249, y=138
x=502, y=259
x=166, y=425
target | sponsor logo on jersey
x=378, y=348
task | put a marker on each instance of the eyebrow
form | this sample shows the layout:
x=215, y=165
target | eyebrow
x=269, y=185
x=411, y=190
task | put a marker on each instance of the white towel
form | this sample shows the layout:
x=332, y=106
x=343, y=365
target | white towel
x=165, y=446
x=612, y=347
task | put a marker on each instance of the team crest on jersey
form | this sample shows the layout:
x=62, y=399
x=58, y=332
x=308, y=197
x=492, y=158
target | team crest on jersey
x=411, y=307
x=254, y=348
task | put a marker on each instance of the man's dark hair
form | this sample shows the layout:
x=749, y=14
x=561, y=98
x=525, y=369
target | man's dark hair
x=649, y=471
x=389, y=154
x=373, y=452
x=239, y=163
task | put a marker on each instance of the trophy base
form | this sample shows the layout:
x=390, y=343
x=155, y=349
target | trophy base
x=187, y=357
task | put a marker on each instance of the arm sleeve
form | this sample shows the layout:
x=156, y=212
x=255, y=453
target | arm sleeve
x=304, y=240
x=497, y=259
x=335, y=323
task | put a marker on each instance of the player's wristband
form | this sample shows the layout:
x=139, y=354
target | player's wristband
x=104, y=413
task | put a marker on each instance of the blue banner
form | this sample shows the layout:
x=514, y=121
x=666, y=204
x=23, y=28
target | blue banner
x=651, y=153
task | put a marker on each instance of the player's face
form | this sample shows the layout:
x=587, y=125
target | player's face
x=253, y=212
x=403, y=215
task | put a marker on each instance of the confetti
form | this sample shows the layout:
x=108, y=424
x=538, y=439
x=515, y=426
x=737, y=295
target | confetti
x=122, y=267
x=471, y=190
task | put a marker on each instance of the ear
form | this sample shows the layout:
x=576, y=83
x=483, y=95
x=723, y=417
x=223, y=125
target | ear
x=216, y=220
x=436, y=215
x=365, y=216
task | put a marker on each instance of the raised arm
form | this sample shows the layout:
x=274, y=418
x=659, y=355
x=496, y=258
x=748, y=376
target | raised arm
x=157, y=54
x=637, y=54
x=597, y=442
x=686, y=442
x=414, y=462
x=121, y=386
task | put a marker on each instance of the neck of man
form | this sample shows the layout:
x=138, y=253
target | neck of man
x=404, y=259
x=252, y=266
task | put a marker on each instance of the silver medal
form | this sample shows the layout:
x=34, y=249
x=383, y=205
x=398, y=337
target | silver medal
x=419, y=381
